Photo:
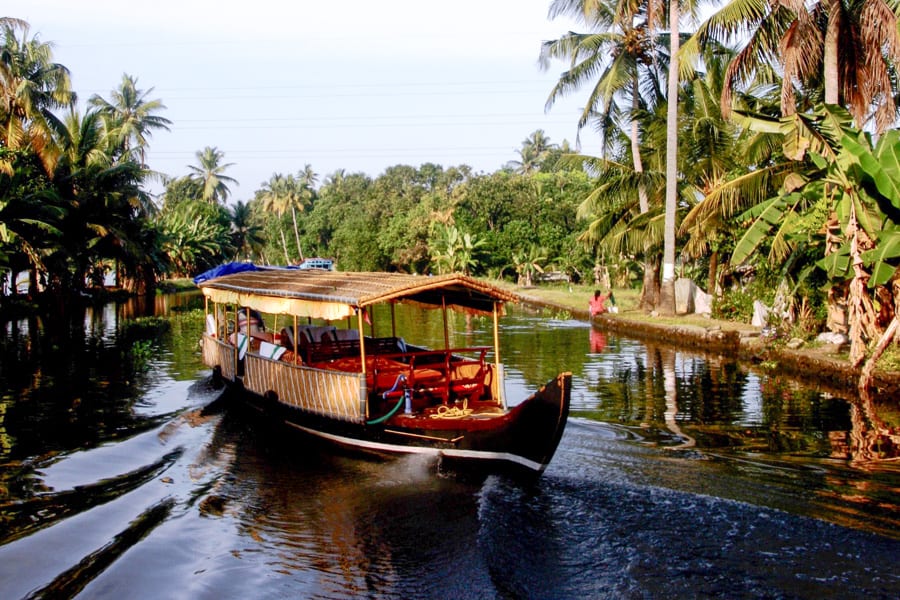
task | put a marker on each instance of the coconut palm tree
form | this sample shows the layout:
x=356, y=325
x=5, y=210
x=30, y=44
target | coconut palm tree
x=622, y=58
x=626, y=55
x=533, y=153
x=280, y=194
x=667, y=283
x=211, y=174
x=102, y=200
x=246, y=233
x=129, y=117
x=308, y=180
x=846, y=49
x=32, y=86
x=712, y=151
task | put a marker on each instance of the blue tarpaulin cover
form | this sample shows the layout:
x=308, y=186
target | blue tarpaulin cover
x=226, y=269
x=238, y=267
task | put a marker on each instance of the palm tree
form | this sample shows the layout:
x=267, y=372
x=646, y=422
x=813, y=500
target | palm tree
x=628, y=58
x=625, y=56
x=667, y=285
x=533, y=153
x=103, y=202
x=211, y=174
x=308, y=180
x=847, y=48
x=129, y=118
x=280, y=194
x=246, y=234
x=32, y=86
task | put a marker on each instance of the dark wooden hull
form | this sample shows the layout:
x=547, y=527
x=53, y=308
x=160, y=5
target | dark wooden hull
x=520, y=441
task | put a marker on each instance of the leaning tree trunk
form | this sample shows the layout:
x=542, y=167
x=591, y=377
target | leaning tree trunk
x=891, y=334
x=287, y=259
x=868, y=370
x=297, y=233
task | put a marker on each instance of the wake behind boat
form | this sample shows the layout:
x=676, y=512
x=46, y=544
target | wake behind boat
x=319, y=366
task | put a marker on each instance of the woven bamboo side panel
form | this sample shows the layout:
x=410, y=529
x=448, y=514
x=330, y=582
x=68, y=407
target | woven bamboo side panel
x=328, y=393
x=218, y=353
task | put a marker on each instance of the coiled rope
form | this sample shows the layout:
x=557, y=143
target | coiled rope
x=452, y=412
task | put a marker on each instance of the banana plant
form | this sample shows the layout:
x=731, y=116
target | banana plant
x=868, y=190
x=844, y=182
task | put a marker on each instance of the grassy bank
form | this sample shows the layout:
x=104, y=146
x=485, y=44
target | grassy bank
x=574, y=298
x=823, y=363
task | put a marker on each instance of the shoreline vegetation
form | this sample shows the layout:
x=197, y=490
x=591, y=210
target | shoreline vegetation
x=825, y=366
x=794, y=204
x=822, y=365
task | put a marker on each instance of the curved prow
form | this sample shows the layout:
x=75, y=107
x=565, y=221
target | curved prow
x=541, y=421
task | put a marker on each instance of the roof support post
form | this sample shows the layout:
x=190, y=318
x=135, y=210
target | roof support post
x=496, y=334
x=446, y=330
x=498, y=368
x=360, y=323
x=393, y=321
x=296, y=342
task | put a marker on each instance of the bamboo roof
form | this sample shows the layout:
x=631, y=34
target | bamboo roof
x=336, y=294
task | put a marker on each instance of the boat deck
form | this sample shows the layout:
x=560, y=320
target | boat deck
x=481, y=415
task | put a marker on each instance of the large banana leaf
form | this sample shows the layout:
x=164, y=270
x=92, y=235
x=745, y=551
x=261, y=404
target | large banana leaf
x=879, y=171
x=767, y=216
x=888, y=177
x=888, y=249
x=837, y=264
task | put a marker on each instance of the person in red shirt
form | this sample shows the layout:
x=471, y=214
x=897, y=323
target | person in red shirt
x=598, y=303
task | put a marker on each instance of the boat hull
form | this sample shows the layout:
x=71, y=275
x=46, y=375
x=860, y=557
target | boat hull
x=519, y=441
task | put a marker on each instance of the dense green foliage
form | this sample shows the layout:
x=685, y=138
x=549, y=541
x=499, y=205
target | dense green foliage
x=778, y=196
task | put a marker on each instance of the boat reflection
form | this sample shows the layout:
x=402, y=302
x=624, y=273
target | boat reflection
x=339, y=526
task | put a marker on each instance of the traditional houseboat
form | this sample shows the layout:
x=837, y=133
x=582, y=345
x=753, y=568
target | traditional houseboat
x=301, y=347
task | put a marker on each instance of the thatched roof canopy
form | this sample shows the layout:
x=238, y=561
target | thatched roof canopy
x=336, y=295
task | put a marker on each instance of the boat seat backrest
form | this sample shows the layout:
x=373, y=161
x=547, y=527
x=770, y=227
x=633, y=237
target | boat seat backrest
x=317, y=333
x=287, y=337
x=346, y=334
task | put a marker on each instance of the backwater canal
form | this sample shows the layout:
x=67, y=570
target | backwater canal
x=124, y=473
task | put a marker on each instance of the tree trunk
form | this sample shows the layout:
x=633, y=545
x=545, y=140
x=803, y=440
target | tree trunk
x=297, y=233
x=830, y=58
x=32, y=282
x=667, y=287
x=650, y=288
x=287, y=259
x=865, y=377
x=636, y=149
x=713, y=273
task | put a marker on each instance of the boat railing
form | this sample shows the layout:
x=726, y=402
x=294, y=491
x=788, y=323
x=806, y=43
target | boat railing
x=221, y=354
x=332, y=383
x=334, y=394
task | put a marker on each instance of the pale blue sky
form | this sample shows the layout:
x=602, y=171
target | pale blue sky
x=354, y=84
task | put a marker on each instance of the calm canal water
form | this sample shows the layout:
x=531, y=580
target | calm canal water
x=125, y=474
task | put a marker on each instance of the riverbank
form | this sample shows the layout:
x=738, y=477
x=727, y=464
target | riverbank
x=822, y=365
